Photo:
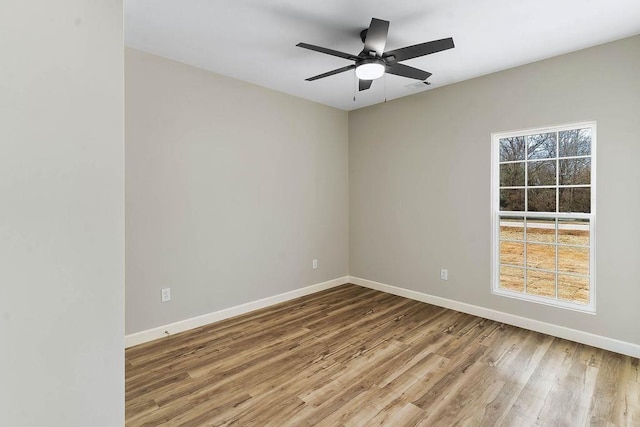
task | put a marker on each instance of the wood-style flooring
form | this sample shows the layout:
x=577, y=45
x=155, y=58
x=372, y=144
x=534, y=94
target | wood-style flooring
x=357, y=357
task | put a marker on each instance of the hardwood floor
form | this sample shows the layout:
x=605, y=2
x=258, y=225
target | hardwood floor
x=357, y=357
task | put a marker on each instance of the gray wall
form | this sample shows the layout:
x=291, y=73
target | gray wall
x=420, y=176
x=61, y=213
x=231, y=191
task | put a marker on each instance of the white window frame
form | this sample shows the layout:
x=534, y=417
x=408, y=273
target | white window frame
x=589, y=308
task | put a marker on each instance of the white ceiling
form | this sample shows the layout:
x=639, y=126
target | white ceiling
x=254, y=40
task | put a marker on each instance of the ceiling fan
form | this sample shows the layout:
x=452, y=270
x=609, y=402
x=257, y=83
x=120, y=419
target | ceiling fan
x=373, y=61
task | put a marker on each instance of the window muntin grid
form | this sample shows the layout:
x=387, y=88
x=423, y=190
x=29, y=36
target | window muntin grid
x=544, y=215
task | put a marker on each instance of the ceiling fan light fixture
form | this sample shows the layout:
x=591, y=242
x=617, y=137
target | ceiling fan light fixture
x=370, y=69
x=374, y=61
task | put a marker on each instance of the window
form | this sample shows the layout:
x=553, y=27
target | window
x=543, y=198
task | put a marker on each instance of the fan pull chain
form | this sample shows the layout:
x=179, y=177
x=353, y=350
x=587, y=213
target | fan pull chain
x=385, y=87
x=355, y=82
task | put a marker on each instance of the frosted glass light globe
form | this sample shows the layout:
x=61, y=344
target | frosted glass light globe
x=370, y=70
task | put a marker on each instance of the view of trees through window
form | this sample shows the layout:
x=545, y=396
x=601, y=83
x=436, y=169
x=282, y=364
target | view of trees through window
x=544, y=214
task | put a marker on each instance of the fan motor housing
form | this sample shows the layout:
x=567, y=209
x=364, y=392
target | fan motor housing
x=372, y=60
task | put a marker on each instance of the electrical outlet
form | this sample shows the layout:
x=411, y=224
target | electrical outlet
x=444, y=274
x=166, y=294
x=315, y=263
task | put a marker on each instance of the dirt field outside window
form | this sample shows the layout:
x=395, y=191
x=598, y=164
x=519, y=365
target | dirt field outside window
x=541, y=247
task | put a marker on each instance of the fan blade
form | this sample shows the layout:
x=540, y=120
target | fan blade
x=364, y=84
x=420, y=49
x=331, y=73
x=328, y=51
x=376, y=36
x=406, y=71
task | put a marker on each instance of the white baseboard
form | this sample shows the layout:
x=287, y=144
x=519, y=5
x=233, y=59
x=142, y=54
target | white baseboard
x=195, y=322
x=599, y=341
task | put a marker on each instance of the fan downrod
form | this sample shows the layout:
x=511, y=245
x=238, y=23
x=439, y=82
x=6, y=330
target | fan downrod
x=363, y=34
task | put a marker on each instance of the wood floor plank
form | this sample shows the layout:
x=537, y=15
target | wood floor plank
x=357, y=357
x=513, y=369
